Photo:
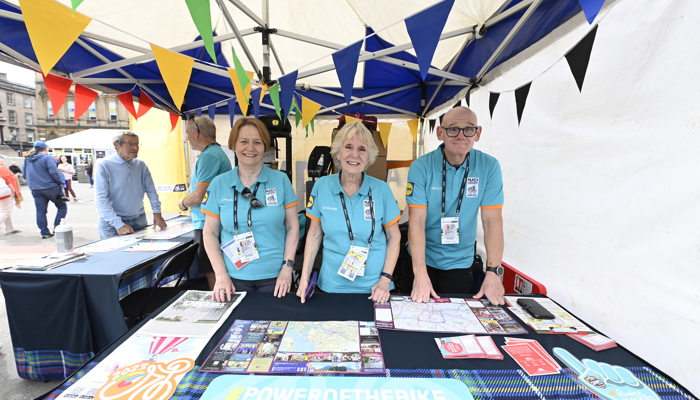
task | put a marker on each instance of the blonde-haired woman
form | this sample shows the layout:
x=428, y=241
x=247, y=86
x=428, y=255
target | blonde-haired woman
x=355, y=215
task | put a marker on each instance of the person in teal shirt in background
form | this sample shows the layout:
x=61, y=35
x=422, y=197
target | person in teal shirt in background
x=212, y=162
x=251, y=230
x=372, y=216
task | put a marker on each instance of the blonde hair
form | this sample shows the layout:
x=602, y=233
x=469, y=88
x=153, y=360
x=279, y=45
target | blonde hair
x=262, y=130
x=355, y=130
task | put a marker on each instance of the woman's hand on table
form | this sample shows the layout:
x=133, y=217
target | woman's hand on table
x=284, y=282
x=223, y=289
x=301, y=290
x=380, y=291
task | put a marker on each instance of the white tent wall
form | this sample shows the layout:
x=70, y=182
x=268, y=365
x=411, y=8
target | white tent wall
x=602, y=194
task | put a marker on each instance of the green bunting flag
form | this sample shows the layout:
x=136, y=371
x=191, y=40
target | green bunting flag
x=201, y=16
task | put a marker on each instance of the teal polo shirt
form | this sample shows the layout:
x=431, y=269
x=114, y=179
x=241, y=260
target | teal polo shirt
x=324, y=206
x=424, y=190
x=276, y=193
x=212, y=162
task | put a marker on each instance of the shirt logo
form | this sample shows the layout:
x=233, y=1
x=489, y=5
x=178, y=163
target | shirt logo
x=310, y=203
x=409, y=189
x=205, y=198
x=472, y=187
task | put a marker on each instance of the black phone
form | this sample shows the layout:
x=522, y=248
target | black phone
x=535, y=309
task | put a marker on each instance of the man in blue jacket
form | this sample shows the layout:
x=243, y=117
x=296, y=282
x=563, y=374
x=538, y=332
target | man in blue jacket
x=46, y=184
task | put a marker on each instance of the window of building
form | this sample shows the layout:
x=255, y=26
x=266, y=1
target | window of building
x=49, y=108
x=27, y=102
x=10, y=99
x=30, y=136
x=71, y=109
x=112, y=110
x=29, y=119
x=92, y=112
x=12, y=116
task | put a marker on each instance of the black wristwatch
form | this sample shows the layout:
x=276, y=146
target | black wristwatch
x=498, y=270
x=288, y=263
x=387, y=275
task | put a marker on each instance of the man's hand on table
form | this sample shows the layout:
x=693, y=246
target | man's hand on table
x=493, y=289
x=125, y=230
x=422, y=289
x=159, y=221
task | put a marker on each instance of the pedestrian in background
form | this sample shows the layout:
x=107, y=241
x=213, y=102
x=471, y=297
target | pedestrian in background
x=46, y=184
x=67, y=170
x=10, y=195
x=88, y=171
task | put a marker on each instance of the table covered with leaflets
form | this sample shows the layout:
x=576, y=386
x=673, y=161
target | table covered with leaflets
x=61, y=315
x=343, y=346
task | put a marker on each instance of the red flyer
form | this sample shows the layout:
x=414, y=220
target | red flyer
x=530, y=360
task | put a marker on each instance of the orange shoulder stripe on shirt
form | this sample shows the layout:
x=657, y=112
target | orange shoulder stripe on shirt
x=393, y=221
x=291, y=204
x=209, y=213
x=492, y=207
x=417, y=206
x=312, y=217
x=203, y=183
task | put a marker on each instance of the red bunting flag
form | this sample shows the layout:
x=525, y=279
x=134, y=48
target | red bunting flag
x=58, y=88
x=84, y=96
x=145, y=104
x=128, y=102
x=173, y=121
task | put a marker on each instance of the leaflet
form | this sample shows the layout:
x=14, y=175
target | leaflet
x=562, y=323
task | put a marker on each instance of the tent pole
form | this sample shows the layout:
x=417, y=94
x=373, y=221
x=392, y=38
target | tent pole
x=233, y=26
x=277, y=58
x=266, y=41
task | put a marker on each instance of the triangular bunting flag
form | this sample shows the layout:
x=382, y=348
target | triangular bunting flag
x=467, y=97
x=431, y=125
x=384, y=131
x=212, y=111
x=309, y=109
x=313, y=128
x=520, y=100
x=231, y=103
x=297, y=114
x=580, y=55
x=350, y=120
x=145, y=104
x=75, y=3
x=173, y=121
x=591, y=8
x=255, y=98
x=52, y=29
x=345, y=61
x=242, y=92
x=176, y=70
x=287, y=86
x=243, y=76
x=275, y=98
x=127, y=101
x=198, y=112
x=84, y=96
x=425, y=29
x=201, y=16
x=413, y=127
x=493, y=100
x=58, y=88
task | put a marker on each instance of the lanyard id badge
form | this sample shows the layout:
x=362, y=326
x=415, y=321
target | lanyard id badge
x=354, y=263
x=271, y=197
x=241, y=250
x=449, y=231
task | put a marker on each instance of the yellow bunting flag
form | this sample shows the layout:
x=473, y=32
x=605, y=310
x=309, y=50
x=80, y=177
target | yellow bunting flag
x=413, y=127
x=384, y=131
x=350, y=120
x=242, y=94
x=176, y=70
x=309, y=109
x=52, y=28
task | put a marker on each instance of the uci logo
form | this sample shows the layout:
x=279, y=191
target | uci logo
x=409, y=188
x=310, y=203
x=205, y=198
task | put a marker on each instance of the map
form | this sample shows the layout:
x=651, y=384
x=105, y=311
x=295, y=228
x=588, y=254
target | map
x=449, y=315
x=338, y=336
x=348, y=347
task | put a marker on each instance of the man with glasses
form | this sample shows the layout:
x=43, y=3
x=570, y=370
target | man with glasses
x=446, y=189
x=212, y=162
x=121, y=181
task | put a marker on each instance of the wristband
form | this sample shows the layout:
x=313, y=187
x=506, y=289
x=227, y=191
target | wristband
x=387, y=275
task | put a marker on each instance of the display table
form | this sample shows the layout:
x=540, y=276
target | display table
x=61, y=318
x=415, y=354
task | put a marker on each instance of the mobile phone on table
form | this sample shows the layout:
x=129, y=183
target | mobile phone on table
x=535, y=309
x=312, y=286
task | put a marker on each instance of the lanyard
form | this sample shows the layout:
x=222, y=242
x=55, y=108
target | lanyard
x=235, y=209
x=444, y=184
x=347, y=217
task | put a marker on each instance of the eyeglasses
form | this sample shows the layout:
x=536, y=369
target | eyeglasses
x=254, y=202
x=453, y=131
x=194, y=122
x=130, y=144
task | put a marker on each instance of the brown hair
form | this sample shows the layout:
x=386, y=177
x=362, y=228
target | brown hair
x=245, y=121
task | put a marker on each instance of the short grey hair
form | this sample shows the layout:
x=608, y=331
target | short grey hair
x=356, y=130
x=204, y=125
x=118, y=139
